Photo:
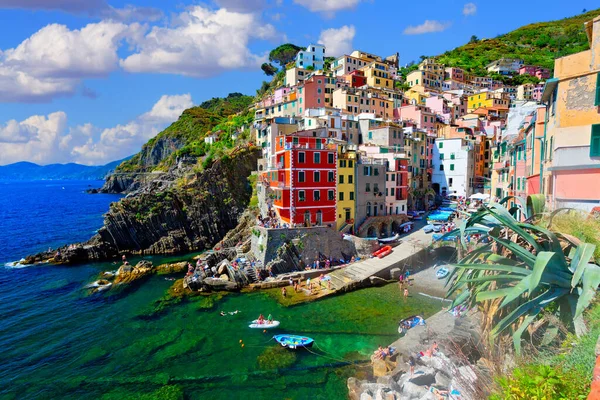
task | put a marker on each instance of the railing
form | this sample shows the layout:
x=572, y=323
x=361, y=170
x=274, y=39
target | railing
x=327, y=146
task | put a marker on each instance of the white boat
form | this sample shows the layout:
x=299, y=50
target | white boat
x=442, y=273
x=265, y=325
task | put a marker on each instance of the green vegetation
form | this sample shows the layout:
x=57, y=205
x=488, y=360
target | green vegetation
x=579, y=225
x=191, y=128
x=269, y=69
x=276, y=357
x=284, y=54
x=523, y=270
x=537, y=44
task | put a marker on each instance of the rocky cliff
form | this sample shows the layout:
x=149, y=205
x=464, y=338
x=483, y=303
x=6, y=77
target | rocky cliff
x=191, y=214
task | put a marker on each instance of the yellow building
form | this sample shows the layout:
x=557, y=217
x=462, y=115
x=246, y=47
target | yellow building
x=416, y=94
x=377, y=75
x=346, y=181
x=486, y=100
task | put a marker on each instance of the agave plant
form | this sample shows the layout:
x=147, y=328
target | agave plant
x=520, y=271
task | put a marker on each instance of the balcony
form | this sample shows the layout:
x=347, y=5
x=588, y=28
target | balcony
x=311, y=146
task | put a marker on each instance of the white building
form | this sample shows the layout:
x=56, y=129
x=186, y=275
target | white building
x=505, y=66
x=453, y=167
x=313, y=56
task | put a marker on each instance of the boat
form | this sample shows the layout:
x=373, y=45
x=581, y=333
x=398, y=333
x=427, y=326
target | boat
x=293, y=341
x=389, y=239
x=382, y=252
x=410, y=322
x=442, y=273
x=265, y=325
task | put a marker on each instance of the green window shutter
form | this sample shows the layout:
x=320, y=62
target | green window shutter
x=441, y=145
x=597, y=102
x=595, y=141
x=451, y=167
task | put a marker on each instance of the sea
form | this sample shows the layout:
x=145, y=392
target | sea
x=59, y=341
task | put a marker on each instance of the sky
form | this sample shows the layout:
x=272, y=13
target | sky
x=90, y=81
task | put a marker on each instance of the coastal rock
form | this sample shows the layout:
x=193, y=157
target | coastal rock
x=365, y=396
x=412, y=391
x=167, y=218
x=354, y=389
x=126, y=274
x=389, y=382
x=174, y=268
x=442, y=380
x=423, y=376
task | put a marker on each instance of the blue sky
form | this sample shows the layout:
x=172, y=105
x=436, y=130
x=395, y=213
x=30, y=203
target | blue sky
x=91, y=81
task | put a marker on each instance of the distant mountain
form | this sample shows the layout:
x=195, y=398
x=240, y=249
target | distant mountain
x=26, y=171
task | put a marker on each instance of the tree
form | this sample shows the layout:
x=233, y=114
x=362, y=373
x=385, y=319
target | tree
x=474, y=39
x=520, y=269
x=268, y=69
x=284, y=53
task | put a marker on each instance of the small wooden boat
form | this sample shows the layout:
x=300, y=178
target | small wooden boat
x=442, y=273
x=410, y=322
x=293, y=341
x=264, y=325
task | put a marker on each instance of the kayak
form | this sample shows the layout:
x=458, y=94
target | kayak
x=442, y=272
x=382, y=252
x=293, y=341
x=264, y=325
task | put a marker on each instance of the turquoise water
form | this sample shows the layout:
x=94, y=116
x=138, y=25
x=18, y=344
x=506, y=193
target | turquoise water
x=58, y=341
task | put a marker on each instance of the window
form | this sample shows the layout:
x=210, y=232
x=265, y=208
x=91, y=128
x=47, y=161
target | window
x=351, y=195
x=342, y=163
x=594, y=142
x=350, y=179
x=452, y=156
x=597, y=102
x=450, y=181
x=441, y=167
x=330, y=176
x=330, y=158
x=451, y=167
x=441, y=145
x=316, y=195
x=340, y=178
x=301, y=195
x=330, y=195
x=370, y=135
x=375, y=188
x=341, y=196
x=317, y=157
x=441, y=156
x=367, y=187
x=376, y=171
x=366, y=171
x=317, y=176
x=387, y=193
x=301, y=157
x=301, y=177
x=392, y=191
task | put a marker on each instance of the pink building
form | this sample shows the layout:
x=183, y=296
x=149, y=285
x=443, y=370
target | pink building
x=542, y=73
x=455, y=74
x=527, y=70
x=280, y=93
x=422, y=116
x=311, y=94
x=442, y=107
x=538, y=72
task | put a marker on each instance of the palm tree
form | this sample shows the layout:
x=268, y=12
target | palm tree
x=520, y=269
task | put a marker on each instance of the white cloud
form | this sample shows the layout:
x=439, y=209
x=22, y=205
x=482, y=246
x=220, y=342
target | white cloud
x=338, y=41
x=99, y=8
x=327, y=6
x=428, y=26
x=201, y=43
x=54, y=60
x=469, y=9
x=242, y=5
x=47, y=139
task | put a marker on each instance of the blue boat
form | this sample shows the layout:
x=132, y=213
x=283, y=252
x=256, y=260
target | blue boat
x=410, y=322
x=293, y=341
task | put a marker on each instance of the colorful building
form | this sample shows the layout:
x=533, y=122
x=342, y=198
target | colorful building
x=303, y=180
x=572, y=135
x=311, y=58
x=505, y=66
x=346, y=189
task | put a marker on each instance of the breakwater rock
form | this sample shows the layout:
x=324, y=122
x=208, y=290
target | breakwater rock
x=445, y=353
x=192, y=215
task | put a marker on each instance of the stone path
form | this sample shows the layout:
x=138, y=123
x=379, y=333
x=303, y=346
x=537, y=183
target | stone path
x=411, y=244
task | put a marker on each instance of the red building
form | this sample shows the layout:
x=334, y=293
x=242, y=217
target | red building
x=538, y=72
x=304, y=181
x=357, y=78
